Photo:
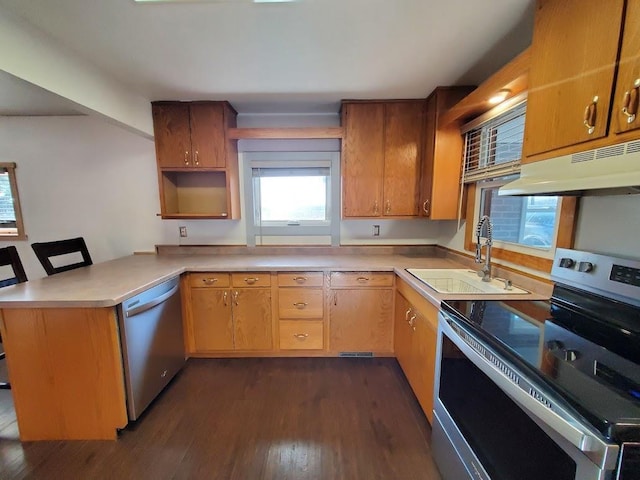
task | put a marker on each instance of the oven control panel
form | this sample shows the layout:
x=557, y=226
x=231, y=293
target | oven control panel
x=602, y=274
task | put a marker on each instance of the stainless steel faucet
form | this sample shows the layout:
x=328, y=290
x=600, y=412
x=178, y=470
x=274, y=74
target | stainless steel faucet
x=485, y=271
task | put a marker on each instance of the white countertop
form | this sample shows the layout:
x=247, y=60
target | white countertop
x=109, y=283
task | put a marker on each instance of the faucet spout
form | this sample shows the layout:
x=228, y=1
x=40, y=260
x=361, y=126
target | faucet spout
x=485, y=271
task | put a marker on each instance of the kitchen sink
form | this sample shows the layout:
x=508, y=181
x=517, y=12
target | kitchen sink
x=462, y=281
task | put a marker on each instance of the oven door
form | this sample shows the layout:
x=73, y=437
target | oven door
x=491, y=423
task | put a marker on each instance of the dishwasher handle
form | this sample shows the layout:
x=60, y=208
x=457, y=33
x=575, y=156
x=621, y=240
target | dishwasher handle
x=149, y=305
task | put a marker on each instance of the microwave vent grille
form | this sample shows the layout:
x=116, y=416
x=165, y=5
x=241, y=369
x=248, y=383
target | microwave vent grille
x=633, y=147
x=612, y=151
x=583, y=156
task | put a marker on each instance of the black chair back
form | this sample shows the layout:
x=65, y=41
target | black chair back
x=45, y=250
x=9, y=256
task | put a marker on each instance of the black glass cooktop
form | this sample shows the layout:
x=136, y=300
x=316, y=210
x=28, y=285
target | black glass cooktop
x=591, y=368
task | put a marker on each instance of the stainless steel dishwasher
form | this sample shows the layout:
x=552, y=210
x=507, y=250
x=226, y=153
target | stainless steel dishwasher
x=152, y=343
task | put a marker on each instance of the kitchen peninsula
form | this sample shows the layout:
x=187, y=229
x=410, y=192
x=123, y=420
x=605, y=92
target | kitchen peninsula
x=62, y=341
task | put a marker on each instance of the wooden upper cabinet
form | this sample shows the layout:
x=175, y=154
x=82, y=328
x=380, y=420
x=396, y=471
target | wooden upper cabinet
x=626, y=100
x=362, y=159
x=381, y=158
x=208, y=135
x=571, y=78
x=441, y=164
x=402, y=156
x=192, y=134
x=172, y=134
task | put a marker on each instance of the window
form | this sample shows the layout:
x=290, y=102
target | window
x=10, y=214
x=290, y=197
x=525, y=229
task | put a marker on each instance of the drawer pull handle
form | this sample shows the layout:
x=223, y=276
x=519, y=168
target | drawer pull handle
x=186, y=157
x=300, y=279
x=590, y=116
x=224, y=298
x=235, y=298
x=362, y=279
x=209, y=281
x=406, y=315
x=425, y=207
x=251, y=280
x=197, y=162
x=388, y=207
x=412, y=321
x=301, y=336
x=300, y=305
x=163, y=374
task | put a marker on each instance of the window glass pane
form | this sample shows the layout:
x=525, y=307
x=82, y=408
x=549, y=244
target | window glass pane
x=297, y=198
x=528, y=221
x=7, y=212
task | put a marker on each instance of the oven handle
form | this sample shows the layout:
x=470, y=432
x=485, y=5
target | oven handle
x=599, y=451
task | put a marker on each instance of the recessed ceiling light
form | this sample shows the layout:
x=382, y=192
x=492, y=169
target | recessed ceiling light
x=500, y=96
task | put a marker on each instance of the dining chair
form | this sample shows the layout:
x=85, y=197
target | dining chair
x=45, y=251
x=9, y=257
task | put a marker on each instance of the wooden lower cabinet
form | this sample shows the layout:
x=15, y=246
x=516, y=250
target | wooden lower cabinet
x=227, y=319
x=415, y=342
x=252, y=319
x=361, y=320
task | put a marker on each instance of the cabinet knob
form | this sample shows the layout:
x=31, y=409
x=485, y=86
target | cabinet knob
x=589, y=119
x=630, y=102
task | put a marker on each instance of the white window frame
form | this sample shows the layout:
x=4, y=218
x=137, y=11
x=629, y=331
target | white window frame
x=17, y=232
x=292, y=160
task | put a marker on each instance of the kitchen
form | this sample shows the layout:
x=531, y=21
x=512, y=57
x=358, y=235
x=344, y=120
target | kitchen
x=107, y=163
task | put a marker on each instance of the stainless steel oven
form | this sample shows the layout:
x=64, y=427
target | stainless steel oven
x=537, y=390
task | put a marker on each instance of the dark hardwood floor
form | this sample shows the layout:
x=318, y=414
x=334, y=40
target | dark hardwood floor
x=280, y=419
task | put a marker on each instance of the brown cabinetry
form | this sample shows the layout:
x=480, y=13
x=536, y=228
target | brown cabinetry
x=381, y=158
x=415, y=337
x=197, y=162
x=440, y=180
x=584, y=65
x=301, y=311
x=361, y=315
x=229, y=312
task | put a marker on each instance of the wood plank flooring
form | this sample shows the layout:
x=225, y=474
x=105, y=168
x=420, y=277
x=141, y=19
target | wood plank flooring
x=278, y=418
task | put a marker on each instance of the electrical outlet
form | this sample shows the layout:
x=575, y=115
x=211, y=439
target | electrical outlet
x=183, y=231
x=376, y=230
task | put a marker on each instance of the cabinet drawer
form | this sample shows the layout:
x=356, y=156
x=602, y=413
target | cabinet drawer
x=300, y=303
x=301, y=335
x=362, y=279
x=251, y=279
x=300, y=279
x=204, y=280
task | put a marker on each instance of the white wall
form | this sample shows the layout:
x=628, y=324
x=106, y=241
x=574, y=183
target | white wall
x=80, y=176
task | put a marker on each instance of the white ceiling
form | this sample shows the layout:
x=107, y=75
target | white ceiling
x=290, y=57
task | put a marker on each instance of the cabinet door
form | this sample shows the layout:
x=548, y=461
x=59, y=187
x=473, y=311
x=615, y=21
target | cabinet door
x=361, y=320
x=423, y=358
x=211, y=319
x=428, y=159
x=252, y=318
x=208, y=135
x=402, y=156
x=402, y=334
x=363, y=160
x=172, y=135
x=628, y=80
x=573, y=61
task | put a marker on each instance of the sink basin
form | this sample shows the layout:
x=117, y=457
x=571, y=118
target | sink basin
x=463, y=281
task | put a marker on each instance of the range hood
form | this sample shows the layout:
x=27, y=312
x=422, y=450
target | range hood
x=613, y=170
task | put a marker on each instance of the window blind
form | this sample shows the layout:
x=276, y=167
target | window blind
x=493, y=144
